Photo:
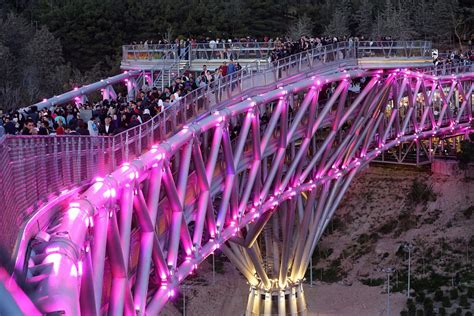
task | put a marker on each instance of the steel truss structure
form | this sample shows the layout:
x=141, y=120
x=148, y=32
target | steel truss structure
x=259, y=179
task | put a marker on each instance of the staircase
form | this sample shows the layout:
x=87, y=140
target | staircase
x=169, y=71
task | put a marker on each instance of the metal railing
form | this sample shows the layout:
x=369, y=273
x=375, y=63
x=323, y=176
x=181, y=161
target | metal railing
x=446, y=69
x=198, y=50
x=390, y=49
x=34, y=166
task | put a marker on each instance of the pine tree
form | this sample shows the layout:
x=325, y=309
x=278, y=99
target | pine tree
x=302, y=27
x=364, y=18
x=339, y=25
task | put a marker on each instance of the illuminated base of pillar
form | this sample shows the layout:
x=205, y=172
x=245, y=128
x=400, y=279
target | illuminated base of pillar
x=289, y=301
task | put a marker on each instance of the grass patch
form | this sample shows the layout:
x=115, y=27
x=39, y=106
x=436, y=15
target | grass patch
x=420, y=192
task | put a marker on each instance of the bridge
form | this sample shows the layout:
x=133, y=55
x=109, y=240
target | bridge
x=255, y=166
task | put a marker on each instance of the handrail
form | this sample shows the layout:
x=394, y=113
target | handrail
x=175, y=65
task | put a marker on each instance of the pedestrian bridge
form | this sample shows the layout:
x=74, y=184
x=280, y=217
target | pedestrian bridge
x=254, y=166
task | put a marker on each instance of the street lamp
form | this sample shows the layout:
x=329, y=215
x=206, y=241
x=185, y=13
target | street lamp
x=184, y=287
x=409, y=248
x=389, y=271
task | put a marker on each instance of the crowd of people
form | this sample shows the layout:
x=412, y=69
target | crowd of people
x=109, y=117
x=454, y=58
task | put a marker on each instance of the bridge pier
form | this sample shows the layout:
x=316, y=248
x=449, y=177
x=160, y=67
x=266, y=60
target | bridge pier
x=277, y=301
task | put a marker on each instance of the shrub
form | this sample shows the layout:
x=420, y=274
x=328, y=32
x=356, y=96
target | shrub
x=463, y=301
x=411, y=307
x=428, y=304
x=438, y=296
x=468, y=212
x=373, y=282
x=468, y=314
x=419, y=312
x=466, y=155
x=404, y=313
x=421, y=193
x=420, y=297
x=446, y=302
x=453, y=294
x=363, y=238
x=442, y=311
x=470, y=292
x=388, y=227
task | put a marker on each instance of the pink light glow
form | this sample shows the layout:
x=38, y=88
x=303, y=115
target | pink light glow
x=52, y=249
x=99, y=179
x=79, y=267
x=44, y=100
x=73, y=271
x=90, y=221
x=55, y=259
x=73, y=213
x=125, y=167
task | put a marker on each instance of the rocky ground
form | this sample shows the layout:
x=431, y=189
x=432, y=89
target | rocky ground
x=385, y=208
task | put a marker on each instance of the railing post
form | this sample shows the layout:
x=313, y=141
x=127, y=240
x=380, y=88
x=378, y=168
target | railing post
x=126, y=146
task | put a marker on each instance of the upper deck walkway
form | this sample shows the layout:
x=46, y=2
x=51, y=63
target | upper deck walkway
x=370, y=54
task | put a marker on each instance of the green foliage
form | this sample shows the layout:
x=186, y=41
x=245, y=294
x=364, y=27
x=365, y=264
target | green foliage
x=464, y=302
x=420, y=192
x=453, y=294
x=432, y=283
x=438, y=296
x=466, y=155
x=446, y=302
x=372, y=282
x=31, y=63
x=470, y=292
x=420, y=297
x=388, y=227
x=468, y=212
x=442, y=311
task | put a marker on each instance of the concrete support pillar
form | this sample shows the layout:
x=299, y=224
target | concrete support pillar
x=288, y=301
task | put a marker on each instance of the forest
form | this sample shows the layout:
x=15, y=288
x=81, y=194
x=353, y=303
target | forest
x=47, y=46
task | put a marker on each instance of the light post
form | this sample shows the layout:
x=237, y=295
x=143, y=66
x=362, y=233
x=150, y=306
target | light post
x=311, y=271
x=409, y=248
x=213, y=269
x=184, y=287
x=388, y=271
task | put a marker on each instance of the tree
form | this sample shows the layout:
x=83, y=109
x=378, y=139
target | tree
x=31, y=63
x=395, y=22
x=339, y=22
x=302, y=27
x=364, y=18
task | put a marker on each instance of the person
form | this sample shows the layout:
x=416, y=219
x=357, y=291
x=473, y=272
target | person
x=82, y=130
x=29, y=128
x=107, y=128
x=9, y=126
x=44, y=128
x=60, y=128
x=92, y=127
